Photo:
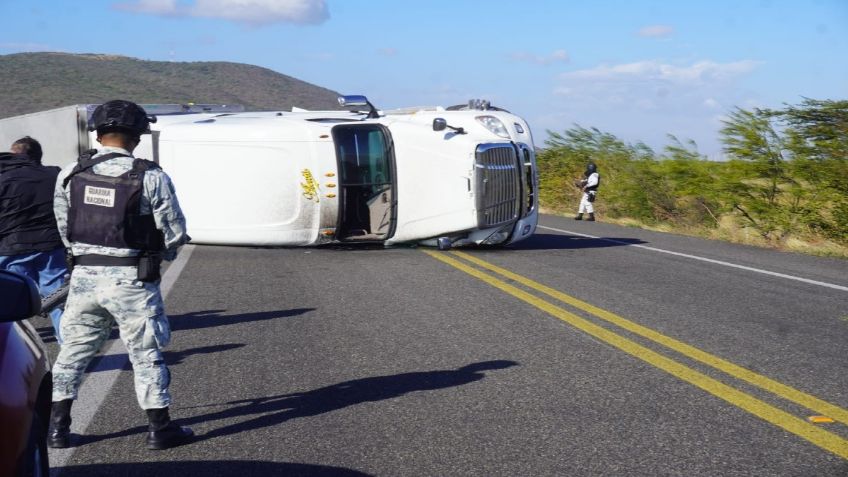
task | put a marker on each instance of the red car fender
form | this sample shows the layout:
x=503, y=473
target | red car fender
x=23, y=366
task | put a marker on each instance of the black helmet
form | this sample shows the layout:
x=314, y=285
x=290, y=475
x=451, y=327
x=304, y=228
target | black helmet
x=120, y=116
x=591, y=168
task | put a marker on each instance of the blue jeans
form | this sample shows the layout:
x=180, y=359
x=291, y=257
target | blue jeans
x=47, y=269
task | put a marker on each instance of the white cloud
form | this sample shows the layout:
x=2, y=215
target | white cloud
x=656, y=31
x=644, y=100
x=153, y=7
x=656, y=86
x=656, y=71
x=558, y=56
x=259, y=12
x=250, y=12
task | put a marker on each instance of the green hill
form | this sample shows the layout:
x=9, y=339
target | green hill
x=40, y=81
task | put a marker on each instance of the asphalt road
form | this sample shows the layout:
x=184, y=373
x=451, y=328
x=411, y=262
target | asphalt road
x=563, y=355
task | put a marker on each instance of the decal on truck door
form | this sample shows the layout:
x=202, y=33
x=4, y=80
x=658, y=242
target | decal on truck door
x=310, y=187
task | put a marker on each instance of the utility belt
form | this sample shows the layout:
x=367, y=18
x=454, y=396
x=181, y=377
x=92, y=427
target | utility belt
x=148, y=263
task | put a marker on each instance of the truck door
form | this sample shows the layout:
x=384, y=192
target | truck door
x=367, y=195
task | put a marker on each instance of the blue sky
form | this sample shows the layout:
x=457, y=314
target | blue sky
x=637, y=69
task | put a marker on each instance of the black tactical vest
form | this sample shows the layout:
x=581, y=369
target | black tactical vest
x=105, y=210
x=594, y=187
x=27, y=223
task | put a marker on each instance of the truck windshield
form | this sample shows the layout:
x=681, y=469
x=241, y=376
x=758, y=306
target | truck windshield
x=366, y=181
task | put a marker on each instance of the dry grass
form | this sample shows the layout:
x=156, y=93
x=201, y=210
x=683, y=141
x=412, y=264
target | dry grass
x=729, y=231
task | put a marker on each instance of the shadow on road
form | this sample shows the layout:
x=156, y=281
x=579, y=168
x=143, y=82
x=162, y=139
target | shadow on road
x=199, y=319
x=120, y=361
x=570, y=242
x=278, y=409
x=222, y=468
x=214, y=318
x=275, y=410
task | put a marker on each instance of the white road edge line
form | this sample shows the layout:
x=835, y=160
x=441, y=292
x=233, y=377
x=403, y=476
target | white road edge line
x=703, y=259
x=98, y=382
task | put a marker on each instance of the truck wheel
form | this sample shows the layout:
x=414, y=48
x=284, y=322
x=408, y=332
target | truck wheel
x=444, y=243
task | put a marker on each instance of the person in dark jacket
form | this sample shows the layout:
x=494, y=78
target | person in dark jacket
x=29, y=147
x=29, y=238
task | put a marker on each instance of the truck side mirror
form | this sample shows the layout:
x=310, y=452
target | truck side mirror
x=357, y=100
x=353, y=100
x=439, y=124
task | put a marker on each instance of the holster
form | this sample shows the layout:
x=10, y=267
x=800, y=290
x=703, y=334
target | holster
x=150, y=266
x=591, y=196
x=69, y=259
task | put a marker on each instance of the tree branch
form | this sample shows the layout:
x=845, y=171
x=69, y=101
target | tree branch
x=701, y=201
x=748, y=216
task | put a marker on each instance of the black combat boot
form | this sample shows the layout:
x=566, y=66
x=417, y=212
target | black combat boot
x=164, y=433
x=579, y=216
x=59, y=436
x=591, y=218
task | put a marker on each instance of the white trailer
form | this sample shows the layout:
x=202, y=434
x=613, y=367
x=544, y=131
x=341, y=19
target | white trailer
x=438, y=176
x=61, y=132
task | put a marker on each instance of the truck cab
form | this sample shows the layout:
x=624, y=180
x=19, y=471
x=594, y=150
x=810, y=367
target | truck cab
x=437, y=176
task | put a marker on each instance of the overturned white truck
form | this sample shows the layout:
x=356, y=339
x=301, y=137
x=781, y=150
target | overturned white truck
x=438, y=176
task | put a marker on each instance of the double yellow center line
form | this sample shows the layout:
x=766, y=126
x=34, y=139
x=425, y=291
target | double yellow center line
x=818, y=436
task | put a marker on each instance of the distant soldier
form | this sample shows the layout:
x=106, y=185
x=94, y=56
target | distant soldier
x=589, y=185
x=29, y=240
x=120, y=217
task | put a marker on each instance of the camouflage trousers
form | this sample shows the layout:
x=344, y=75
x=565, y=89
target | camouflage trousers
x=97, y=298
x=586, y=204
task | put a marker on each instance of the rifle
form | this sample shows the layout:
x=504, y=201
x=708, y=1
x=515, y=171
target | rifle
x=55, y=299
x=58, y=297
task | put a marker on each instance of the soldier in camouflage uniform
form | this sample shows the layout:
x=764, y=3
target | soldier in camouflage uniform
x=116, y=279
x=589, y=185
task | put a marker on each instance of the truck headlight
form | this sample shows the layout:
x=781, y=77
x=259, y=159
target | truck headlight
x=499, y=236
x=495, y=125
x=496, y=238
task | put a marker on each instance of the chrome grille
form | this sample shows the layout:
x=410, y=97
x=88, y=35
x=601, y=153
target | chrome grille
x=498, y=184
x=530, y=183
